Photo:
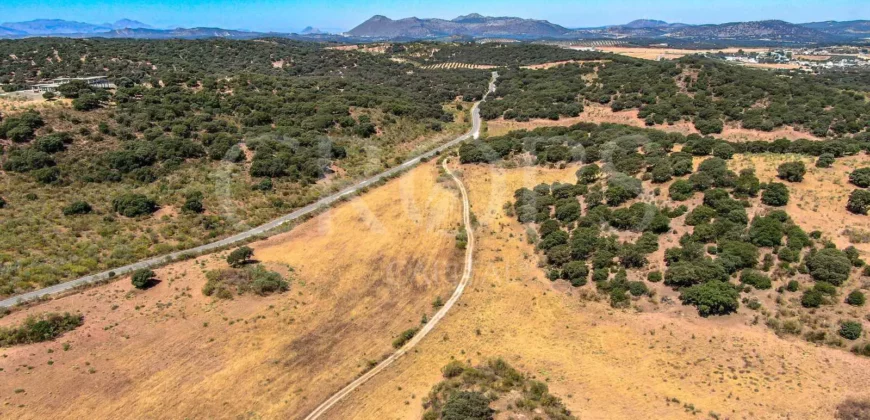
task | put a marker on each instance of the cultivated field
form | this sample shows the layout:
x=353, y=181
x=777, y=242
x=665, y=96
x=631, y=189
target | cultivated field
x=668, y=53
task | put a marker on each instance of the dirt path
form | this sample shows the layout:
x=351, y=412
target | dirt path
x=466, y=276
x=259, y=230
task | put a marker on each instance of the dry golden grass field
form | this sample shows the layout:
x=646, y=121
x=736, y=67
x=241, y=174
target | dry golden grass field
x=370, y=268
x=364, y=272
x=669, y=53
x=606, y=363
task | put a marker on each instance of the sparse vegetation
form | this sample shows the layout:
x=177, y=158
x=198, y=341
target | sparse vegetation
x=38, y=328
x=467, y=393
x=225, y=283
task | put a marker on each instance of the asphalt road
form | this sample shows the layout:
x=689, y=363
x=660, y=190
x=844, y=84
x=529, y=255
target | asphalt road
x=429, y=326
x=259, y=230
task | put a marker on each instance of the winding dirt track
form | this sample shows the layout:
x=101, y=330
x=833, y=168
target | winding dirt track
x=466, y=276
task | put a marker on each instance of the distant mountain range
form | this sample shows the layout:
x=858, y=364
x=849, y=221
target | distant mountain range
x=475, y=25
x=65, y=27
x=470, y=26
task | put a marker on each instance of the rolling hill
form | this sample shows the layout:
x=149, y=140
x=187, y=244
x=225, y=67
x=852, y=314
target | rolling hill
x=469, y=25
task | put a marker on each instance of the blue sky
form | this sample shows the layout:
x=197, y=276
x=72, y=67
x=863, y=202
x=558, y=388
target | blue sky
x=288, y=15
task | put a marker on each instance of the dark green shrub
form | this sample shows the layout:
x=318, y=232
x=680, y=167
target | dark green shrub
x=791, y=171
x=711, y=298
x=654, y=276
x=193, y=203
x=404, y=337
x=688, y=273
x=859, y=202
x=264, y=185
x=856, y=298
x=453, y=369
x=78, y=207
x=792, y=286
x=680, y=190
x=723, y=151
x=132, y=205
x=142, y=278
x=776, y=194
x=575, y=272
x=766, y=232
x=38, y=328
x=637, y=288
x=860, y=177
x=825, y=160
x=755, y=279
x=850, y=330
x=812, y=299
x=467, y=405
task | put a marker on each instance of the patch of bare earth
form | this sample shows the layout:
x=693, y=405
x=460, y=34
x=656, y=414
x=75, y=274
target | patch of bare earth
x=364, y=271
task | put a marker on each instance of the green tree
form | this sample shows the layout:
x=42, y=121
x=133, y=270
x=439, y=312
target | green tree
x=776, y=194
x=240, y=256
x=825, y=160
x=860, y=177
x=766, y=232
x=711, y=298
x=142, y=278
x=829, y=265
x=859, y=202
x=681, y=190
x=132, y=205
x=792, y=171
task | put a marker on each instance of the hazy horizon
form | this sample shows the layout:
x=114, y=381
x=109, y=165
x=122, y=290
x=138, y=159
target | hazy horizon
x=293, y=15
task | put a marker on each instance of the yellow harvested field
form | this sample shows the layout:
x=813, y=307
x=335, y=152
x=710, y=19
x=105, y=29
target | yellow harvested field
x=597, y=113
x=454, y=66
x=773, y=66
x=365, y=271
x=669, y=53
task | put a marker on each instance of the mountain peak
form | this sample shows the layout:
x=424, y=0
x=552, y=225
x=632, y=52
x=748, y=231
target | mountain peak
x=646, y=23
x=469, y=17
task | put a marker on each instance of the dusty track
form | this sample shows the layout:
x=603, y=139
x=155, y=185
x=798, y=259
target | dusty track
x=466, y=276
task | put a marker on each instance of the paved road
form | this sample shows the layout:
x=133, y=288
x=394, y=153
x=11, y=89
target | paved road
x=259, y=230
x=466, y=276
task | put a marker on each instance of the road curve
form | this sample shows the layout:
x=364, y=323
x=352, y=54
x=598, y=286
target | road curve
x=466, y=276
x=259, y=230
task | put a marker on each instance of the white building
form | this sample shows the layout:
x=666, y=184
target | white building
x=93, y=81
